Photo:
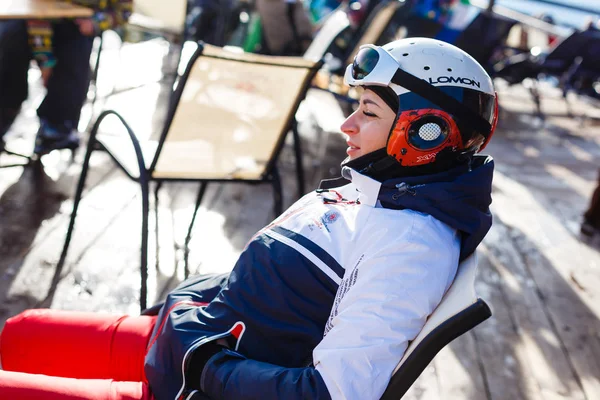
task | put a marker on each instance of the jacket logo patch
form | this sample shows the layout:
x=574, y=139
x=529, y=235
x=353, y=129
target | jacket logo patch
x=330, y=217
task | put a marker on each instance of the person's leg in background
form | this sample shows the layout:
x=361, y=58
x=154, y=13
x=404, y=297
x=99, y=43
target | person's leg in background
x=591, y=218
x=14, y=64
x=72, y=344
x=67, y=89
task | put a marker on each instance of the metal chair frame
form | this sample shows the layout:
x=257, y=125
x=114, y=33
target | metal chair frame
x=270, y=175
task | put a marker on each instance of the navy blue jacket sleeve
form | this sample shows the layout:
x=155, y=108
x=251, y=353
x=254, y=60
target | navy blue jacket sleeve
x=229, y=376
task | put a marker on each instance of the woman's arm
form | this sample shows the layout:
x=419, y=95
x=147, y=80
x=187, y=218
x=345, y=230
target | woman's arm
x=228, y=375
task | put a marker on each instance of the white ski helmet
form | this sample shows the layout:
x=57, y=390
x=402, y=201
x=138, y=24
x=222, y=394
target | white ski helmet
x=447, y=101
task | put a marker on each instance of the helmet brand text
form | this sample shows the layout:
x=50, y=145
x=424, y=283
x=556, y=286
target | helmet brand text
x=452, y=79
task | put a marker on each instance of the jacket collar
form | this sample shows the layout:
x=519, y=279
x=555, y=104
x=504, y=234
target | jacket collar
x=368, y=188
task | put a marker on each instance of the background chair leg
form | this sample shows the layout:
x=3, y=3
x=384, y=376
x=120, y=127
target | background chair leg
x=535, y=94
x=156, y=232
x=298, y=153
x=144, y=248
x=94, y=79
x=277, y=193
x=186, y=249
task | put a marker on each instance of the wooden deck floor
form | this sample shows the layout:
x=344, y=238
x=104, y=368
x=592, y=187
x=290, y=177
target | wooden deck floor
x=541, y=279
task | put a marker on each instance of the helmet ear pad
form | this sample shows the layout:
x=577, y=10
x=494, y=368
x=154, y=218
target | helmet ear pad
x=418, y=136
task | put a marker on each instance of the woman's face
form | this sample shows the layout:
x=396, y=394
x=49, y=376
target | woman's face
x=368, y=127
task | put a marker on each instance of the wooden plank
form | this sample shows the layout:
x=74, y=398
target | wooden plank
x=540, y=205
x=210, y=248
x=458, y=370
x=34, y=207
x=31, y=273
x=99, y=280
x=540, y=350
x=498, y=340
x=42, y=9
x=425, y=387
x=555, y=259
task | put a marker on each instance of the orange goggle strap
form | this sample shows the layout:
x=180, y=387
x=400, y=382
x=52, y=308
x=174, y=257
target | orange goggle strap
x=401, y=147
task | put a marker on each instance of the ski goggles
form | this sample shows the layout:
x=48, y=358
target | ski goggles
x=373, y=65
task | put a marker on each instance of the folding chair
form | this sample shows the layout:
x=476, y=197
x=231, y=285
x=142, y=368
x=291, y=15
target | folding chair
x=459, y=311
x=227, y=122
x=575, y=58
x=491, y=31
x=337, y=44
x=159, y=17
x=561, y=57
x=335, y=23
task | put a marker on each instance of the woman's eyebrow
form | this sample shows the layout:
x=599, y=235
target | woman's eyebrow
x=369, y=101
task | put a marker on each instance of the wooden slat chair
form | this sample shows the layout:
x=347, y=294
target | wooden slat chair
x=227, y=122
x=459, y=311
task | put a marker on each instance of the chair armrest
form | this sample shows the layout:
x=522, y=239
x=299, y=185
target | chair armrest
x=134, y=141
x=437, y=339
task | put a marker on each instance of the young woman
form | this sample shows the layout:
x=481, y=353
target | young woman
x=323, y=301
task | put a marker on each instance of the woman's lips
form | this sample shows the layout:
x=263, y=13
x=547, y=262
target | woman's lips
x=352, y=148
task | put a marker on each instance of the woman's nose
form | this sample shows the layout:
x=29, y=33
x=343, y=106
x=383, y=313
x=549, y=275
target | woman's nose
x=349, y=126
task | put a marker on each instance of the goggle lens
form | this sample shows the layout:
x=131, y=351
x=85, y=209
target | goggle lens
x=364, y=63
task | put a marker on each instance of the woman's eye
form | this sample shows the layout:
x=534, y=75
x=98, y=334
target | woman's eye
x=369, y=114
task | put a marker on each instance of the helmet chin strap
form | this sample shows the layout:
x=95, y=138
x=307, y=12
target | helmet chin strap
x=378, y=165
x=381, y=166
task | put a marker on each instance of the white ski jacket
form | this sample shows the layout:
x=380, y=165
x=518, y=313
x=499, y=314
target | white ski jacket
x=323, y=301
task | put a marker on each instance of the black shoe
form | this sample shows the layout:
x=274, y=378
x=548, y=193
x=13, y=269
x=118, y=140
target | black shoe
x=55, y=138
x=588, y=230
